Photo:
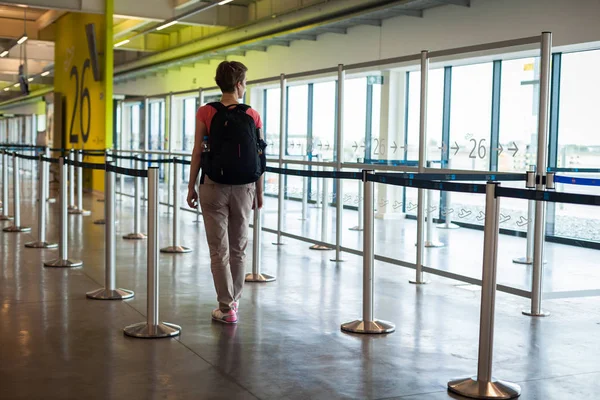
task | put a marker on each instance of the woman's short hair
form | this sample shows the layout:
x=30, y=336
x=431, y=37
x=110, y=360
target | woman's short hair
x=229, y=74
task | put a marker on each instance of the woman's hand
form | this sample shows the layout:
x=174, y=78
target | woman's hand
x=192, y=197
x=259, y=200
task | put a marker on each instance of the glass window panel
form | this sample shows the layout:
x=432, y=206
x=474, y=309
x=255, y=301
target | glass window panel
x=297, y=121
x=272, y=120
x=355, y=118
x=323, y=127
x=189, y=124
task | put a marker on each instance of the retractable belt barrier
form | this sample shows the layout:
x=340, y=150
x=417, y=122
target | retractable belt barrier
x=576, y=181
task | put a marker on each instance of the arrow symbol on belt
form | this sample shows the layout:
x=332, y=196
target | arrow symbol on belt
x=447, y=212
x=522, y=221
x=500, y=149
x=394, y=147
x=464, y=213
x=412, y=206
x=515, y=149
x=481, y=216
x=504, y=218
x=397, y=205
x=456, y=147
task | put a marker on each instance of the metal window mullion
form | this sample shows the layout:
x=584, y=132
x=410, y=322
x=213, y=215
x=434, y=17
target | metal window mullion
x=495, y=123
x=446, y=110
x=369, y=122
x=309, y=132
x=553, y=133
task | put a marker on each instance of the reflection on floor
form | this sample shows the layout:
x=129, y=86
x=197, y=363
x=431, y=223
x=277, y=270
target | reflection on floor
x=56, y=344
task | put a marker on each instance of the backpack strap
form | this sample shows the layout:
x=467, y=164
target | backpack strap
x=218, y=106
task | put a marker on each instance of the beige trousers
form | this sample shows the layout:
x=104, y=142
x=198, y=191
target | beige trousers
x=226, y=211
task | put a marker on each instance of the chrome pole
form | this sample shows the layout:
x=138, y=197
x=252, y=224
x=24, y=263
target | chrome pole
x=63, y=261
x=47, y=167
x=109, y=291
x=484, y=387
x=71, y=181
x=324, y=219
x=339, y=200
x=102, y=221
x=79, y=207
x=256, y=275
x=304, y=192
x=42, y=192
x=282, y=127
x=146, y=147
x=448, y=209
x=528, y=259
x=199, y=103
x=152, y=328
x=176, y=248
x=422, y=159
x=136, y=234
x=5, y=215
x=540, y=206
x=16, y=227
x=368, y=324
x=359, y=227
x=430, y=242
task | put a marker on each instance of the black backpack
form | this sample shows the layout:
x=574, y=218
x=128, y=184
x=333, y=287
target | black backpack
x=236, y=155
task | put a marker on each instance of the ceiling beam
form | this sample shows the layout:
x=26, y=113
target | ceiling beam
x=463, y=3
x=367, y=21
x=48, y=18
x=14, y=29
x=408, y=13
x=129, y=25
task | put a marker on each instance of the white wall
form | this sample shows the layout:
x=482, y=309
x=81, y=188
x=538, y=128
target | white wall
x=572, y=23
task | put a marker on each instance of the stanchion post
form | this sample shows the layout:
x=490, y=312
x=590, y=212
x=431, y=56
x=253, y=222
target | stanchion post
x=282, y=127
x=78, y=210
x=359, y=227
x=484, y=386
x=136, y=234
x=256, y=275
x=152, y=328
x=5, y=214
x=430, y=242
x=47, y=167
x=339, y=199
x=71, y=181
x=42, y=186
x=304, y=192
x=176, y=248
x=324, y=219
x=63, y=261
x=540, y=206
x=528, y=259
x=368, y=324
x=16, y=227
x=448, y=224
x=109, y=291
x=419, y=279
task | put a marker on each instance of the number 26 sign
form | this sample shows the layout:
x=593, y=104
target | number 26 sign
x=82, y=95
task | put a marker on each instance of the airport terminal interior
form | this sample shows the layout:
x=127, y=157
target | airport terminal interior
x=430, y=223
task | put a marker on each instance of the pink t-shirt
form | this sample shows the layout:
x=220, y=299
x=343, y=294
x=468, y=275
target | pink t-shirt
x=206, y=113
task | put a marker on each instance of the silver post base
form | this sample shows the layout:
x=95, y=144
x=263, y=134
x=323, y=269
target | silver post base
x=51, y=200
x=337, y=260
x=17, y=229
x=433, y=244
x=474, y=389
x=77, y=211
x=259, y=278
x=100, y=222
x=58, y=263
x=41, y=245
x=525, y=261
x=278, y=244
x=143, y=330
x=134, y=236
x=107, y=294
x=416, y=282
x=448, y=226
x=530, y=313
x=72, y=208
x=320, y=247
x=176, y=249
x=357, y=229
x=360, y=326
x=6, y=218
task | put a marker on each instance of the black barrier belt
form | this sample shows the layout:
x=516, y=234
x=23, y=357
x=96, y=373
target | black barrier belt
x=398, y=180
x=22, y=146
x=50, y=160
x=552, y=197
x=458, y=177
x=181, y=161
x=85, y=165
x=579, y=170
x=142, y=173
x=316, y=174
x=24, y=157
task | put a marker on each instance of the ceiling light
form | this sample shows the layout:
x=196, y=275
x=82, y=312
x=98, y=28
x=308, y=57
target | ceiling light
x=22, y=40
x=46, y=73
x=122, y=43
x=6, y=89
x=166, y=25
x=16, y=85
x=4, y=53
x=30, y=79
x=222, y=3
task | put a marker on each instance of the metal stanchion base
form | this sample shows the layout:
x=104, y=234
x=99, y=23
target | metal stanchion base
x=77, y=211
x=72, y=208
x=100, y=222
x=320, y=247
x=415, y=282
x=259, y=278
x=525, y=261
x=337, y=260
x=6, y=218
x=41, y=245
x=176, y=249
x=434, y=244
x=448, y=226
x=530, y=313
x=360, y=326
x=278, y=244
x=107, y=294
x=17, y=229
x=357, y=229
x=134, y=236
x=474, y=389
x=58, y=263
x=51, y=200
x=143, y=330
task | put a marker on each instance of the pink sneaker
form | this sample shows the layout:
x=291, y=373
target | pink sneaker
x=235, y=306
x=226, y=318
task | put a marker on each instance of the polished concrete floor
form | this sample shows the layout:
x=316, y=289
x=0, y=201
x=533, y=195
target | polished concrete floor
x=56, y=344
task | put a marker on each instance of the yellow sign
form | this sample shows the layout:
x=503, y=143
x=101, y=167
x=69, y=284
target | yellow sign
x=528, y=67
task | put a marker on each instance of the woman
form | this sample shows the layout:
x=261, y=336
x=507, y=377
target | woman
x=228, y=146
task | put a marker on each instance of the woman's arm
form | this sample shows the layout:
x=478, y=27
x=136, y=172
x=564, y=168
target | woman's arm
x=201, y=131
